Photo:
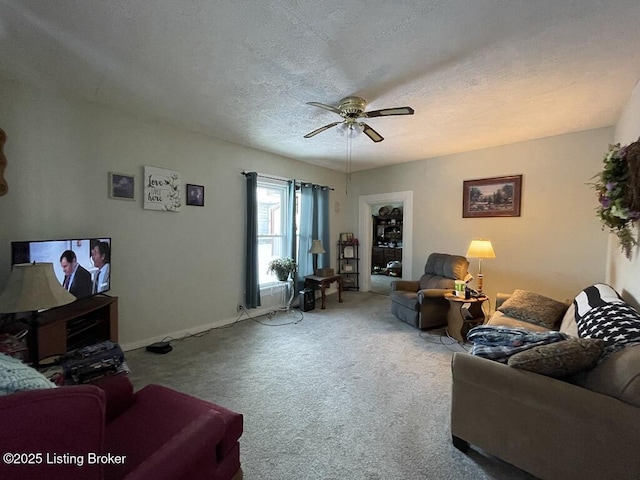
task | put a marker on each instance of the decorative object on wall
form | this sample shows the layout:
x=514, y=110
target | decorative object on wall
x=162, y=189
x=195, y=195
x=618, y=189
x=121, y=186
x=4, y=187
x=492, y=197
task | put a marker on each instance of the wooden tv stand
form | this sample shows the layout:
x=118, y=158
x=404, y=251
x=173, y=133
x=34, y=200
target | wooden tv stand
x=83, y=322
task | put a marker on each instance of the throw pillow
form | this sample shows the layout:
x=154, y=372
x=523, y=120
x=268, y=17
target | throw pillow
x=601, y=313
x=560, y=359
x=533, y=308
x=16, y=376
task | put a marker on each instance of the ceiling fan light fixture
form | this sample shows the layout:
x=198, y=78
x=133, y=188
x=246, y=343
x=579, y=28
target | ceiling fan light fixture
x=352, y=110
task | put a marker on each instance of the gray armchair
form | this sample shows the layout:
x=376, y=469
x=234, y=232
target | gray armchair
x=422, y=303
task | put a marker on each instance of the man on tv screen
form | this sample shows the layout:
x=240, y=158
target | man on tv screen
x=77, y=279
x=100, y=259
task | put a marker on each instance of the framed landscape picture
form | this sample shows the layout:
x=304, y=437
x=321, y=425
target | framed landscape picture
x=492, y=197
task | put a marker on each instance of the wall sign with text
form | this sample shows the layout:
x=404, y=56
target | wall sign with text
x=162, y=189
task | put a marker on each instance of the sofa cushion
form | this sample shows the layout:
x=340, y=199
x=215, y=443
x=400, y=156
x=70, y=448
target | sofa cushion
x=601, y=313
x=499, y=319
x=560, y=359
x=568, y=324
x=16, y=376
x=534, y=308
x=445, y=265
x=617, y=376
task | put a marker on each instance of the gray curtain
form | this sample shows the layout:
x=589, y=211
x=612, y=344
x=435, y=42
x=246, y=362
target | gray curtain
x=314, y=223
x=252, y=275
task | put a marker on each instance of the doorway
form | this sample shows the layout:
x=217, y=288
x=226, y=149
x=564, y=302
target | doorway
x=365, y=232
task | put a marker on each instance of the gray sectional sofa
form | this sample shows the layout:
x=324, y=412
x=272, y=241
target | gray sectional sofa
x=582, y=426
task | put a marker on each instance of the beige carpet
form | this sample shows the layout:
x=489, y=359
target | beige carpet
x=381, y=284
x=348, y=392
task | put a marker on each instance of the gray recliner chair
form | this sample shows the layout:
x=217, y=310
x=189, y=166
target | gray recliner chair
x=422, y=303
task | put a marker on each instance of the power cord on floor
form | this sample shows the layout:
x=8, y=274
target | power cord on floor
x=439, y=336
x=243, y=311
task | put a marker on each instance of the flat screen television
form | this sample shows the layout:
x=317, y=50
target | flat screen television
x=81, y=265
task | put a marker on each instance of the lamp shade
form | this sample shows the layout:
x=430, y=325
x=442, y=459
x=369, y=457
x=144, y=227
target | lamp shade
x=316, y=247
x=32, y=287
x=480, y=249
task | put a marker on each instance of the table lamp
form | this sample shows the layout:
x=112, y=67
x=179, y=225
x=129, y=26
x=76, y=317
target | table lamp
x=316, y=249
x=480, y=249
x=33, y=287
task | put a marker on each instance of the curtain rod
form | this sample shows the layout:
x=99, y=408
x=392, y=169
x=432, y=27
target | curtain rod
x=282, y=179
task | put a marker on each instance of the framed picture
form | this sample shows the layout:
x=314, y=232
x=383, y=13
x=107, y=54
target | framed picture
x=347, y=252
x=492, y=197
x=346, y=237
x=348, y=268
x=162, y=189
x=121, y=186
x=195, y=195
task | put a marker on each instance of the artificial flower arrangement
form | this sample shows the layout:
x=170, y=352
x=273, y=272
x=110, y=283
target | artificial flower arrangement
x=618, y=189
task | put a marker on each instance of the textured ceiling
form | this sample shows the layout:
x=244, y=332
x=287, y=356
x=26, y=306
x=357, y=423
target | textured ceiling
x=478, y=73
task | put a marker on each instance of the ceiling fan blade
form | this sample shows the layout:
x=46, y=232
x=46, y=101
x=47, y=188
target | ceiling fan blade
x=385, y=112
x=321, y=129
x=371, y=133
x=331, y=108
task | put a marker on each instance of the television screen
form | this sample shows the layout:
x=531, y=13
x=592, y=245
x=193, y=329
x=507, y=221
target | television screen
x=82, y=266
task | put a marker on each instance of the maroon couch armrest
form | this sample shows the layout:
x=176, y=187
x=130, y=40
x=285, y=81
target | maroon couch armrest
x=66, y=420
x=119, y=394
x=188, y=454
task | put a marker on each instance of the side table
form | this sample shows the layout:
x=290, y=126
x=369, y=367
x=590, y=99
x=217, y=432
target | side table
x=324, y=282
x=461, y=319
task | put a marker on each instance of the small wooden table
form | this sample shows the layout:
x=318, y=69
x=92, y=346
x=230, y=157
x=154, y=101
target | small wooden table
x=323, y=282
x=458, y=324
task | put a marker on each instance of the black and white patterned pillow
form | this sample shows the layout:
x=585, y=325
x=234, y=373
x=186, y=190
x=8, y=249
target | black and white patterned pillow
x=601, y=313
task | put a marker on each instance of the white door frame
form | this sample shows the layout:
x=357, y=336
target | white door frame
x=365, y=233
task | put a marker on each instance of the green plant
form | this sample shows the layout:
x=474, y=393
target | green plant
x=617, y=192
x=282, y=267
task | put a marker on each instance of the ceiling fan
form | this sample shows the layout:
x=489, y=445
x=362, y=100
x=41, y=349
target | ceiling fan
x=351, y=109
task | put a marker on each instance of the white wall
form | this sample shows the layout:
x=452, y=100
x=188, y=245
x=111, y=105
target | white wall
x=624, y=274
x=172, y=272
x=556, y=246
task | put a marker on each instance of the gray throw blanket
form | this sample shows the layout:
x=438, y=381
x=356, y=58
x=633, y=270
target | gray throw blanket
x=499, y=343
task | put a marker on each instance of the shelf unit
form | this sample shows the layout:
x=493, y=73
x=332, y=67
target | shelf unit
x=387, y=235
x=348, y=261
x=81, y=323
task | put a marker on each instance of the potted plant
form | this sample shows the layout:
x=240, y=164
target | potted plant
x=282, y=267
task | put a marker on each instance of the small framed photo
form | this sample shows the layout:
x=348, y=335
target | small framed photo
x=121, y=186
x=195, y=195
x=492, y=197
x=348, y=268
x=348, y=252
x=346, y=237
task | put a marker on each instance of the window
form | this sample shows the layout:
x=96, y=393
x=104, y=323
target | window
x=272, y=217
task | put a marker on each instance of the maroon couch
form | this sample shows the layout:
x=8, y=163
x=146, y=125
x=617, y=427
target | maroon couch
x=106, y=432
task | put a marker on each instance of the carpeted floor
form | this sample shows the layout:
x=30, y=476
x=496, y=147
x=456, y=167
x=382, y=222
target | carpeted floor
x=348, y=392
x=381, y=284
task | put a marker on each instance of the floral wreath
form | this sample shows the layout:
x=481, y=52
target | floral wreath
x=618, y=189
